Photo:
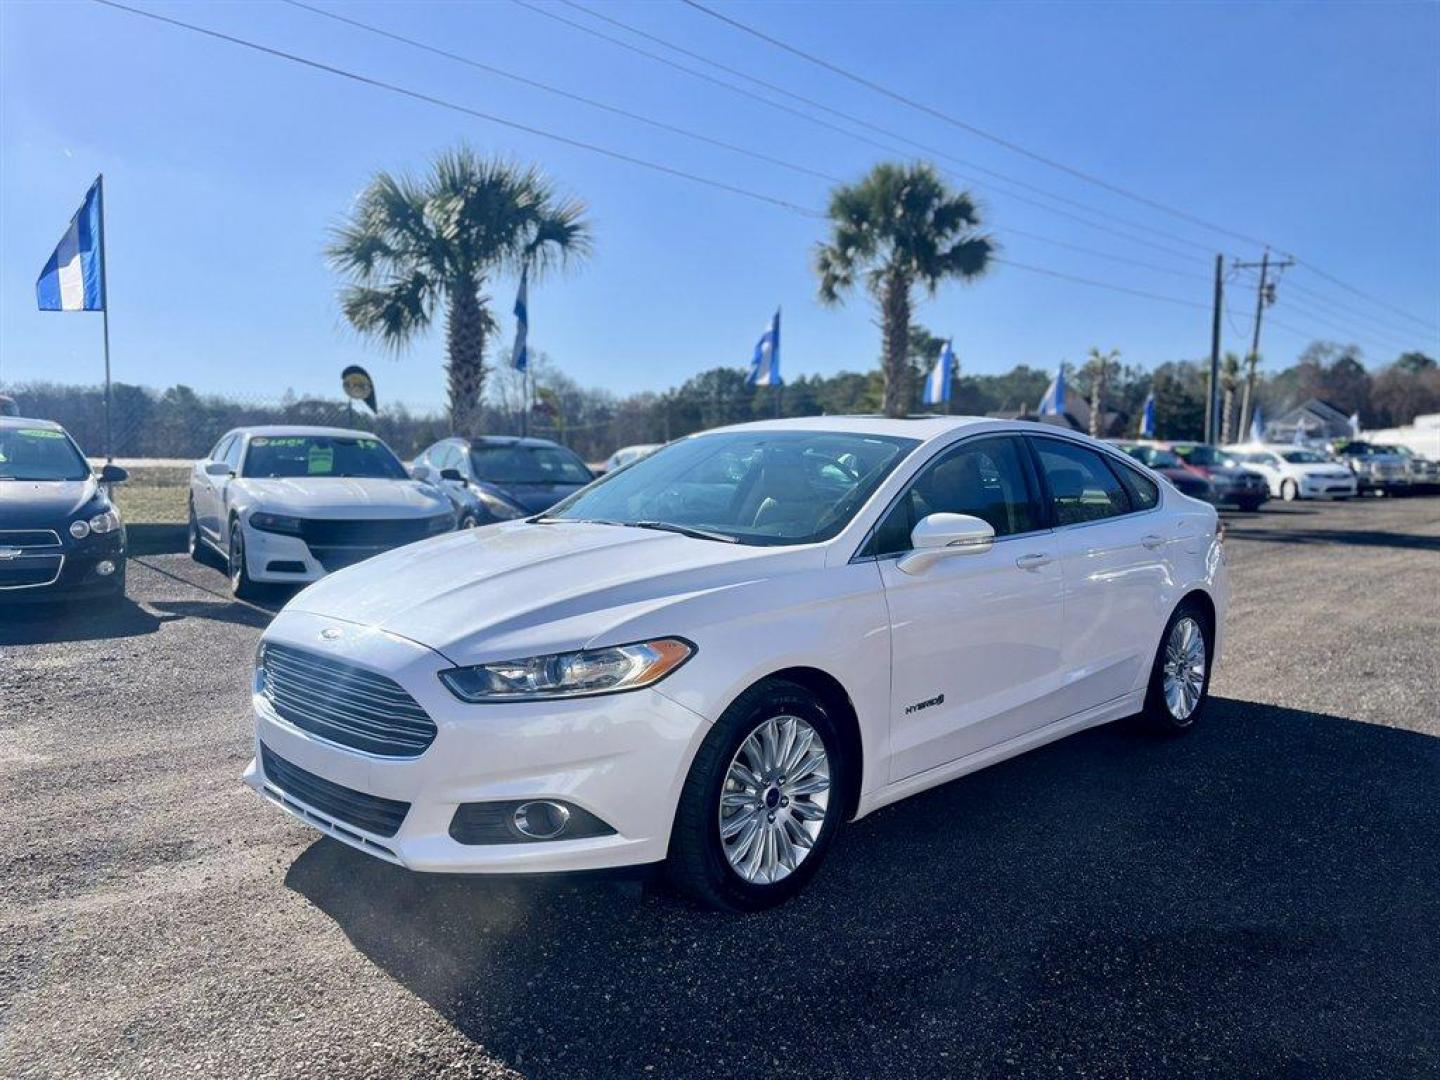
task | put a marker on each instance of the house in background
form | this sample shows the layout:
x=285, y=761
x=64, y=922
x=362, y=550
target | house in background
x=1318, y=420
x=1076, y=417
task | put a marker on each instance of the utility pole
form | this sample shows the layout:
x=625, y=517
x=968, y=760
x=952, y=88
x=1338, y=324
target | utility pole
x=1212, y=388
x=1264, y=296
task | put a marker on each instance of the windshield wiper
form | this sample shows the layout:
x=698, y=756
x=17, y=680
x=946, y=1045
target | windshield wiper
x=686, y=530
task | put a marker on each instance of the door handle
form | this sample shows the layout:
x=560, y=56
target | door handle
x=1033, y=561
x=1152, y=541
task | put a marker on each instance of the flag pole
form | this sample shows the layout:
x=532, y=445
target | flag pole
x=105, y=316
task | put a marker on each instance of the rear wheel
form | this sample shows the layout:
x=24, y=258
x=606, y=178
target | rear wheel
x=241, y=587
x=1289, y=490
x=1180, y=677
x=762, y=802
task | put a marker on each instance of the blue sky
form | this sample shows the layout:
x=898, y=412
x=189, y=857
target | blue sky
x=1313, y=126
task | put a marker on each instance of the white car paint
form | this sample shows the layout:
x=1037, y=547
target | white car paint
x=1317, y=480
x=627, y=454
x=220, y=499
x=1043, y=634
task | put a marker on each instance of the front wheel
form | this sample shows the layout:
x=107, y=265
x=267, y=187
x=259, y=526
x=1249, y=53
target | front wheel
x=1180, y=677
x=241, y=587
x=1289, y=490
x=762, y=802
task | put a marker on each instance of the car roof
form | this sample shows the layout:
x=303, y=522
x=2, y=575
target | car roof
x=304, y=429
x=505, y=440
x=924, y=428
x=29, y=422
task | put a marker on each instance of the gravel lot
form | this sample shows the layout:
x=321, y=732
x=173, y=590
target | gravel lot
x=1261, y=897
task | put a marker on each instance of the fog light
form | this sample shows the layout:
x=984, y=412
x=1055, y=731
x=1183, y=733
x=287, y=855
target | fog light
x=541, y=820
x=104, y=568
x=79, y=529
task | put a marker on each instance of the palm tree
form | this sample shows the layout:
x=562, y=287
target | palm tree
x=899, y=227
x=1229, y=380
x=1098, y=369
x=412, y=246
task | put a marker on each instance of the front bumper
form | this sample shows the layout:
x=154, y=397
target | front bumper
x=47, y=573
x=621, y=757
x=1312, y=488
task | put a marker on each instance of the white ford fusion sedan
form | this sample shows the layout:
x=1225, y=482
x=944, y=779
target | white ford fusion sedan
x=717, y=656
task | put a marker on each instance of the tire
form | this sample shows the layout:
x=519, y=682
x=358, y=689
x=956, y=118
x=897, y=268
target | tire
x=241, y=587
x=193, y=542
x=1249, y=506
x=700, y=863
x=1165, y=709
x=1289, y=490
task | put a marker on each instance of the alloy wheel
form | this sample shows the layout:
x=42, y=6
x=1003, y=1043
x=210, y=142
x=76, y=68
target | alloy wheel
x=774, y=799
x=1184, y=668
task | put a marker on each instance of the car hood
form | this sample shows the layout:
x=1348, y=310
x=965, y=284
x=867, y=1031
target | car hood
x=533, y=498
x=343, y=496
x=43, y=504
x=518, y=589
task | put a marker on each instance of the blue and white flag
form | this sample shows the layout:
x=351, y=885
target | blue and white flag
x=1355, y=424
x=74, y=278
x=765, y=364
x=1147, y=417
x=1053, y=403
x=520, y=356
x=1257, y=427
x=941, y=378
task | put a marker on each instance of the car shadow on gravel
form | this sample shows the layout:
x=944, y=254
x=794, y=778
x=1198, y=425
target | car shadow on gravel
x=74, y=620
x=1258, y=897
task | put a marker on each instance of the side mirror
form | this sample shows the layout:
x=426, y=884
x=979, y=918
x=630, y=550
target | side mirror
x=940, y=536
x=113, y=474
x=218, y=468
x=423, y=473
x=452, y=474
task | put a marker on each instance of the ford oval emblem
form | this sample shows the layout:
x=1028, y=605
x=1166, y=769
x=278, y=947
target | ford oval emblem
x=330, y=633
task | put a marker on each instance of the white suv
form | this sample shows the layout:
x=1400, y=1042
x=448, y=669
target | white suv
x=290, y=504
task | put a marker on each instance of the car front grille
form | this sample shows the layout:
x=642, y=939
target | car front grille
x=369, y=812
x=30, y=571
x=337, y=543
x=29, y=538
x=344, y=704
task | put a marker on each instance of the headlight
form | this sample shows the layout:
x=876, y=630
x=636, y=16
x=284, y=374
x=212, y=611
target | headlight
x=276, y=523
x=79, y=529
x=499, y=508
x=109, y=521
x=570, y=674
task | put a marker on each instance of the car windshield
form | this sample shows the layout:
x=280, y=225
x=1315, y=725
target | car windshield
x=1200, y=454
x=1303, y=457
x=281, y=456
x=40, y=454
x=519, y=464
x=756, y=487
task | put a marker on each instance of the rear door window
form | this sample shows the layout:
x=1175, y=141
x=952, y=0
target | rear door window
x=1082, y=486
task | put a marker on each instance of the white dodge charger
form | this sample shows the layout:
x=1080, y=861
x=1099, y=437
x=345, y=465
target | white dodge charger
x=717, y=656
x=290, y=504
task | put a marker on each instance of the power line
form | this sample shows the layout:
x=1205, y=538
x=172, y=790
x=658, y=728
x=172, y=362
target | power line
x=536, y=84
x=1428, y=324
x=456, y=107
x=675, y=129
x=1033, y=155
x=1357, y=312
x=971, y=128
x=848, y=117
x=604, y=151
